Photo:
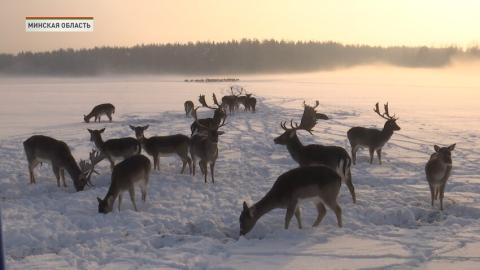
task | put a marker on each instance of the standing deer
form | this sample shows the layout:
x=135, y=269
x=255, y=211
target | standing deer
x=157, y=146
x=132, y=171
x=319, y=183
x=373, y=138
x=99, y=110
x=114, y=148
x=251, y=102
x=218, y=115
x=39, y=148
x=438, y=169
x=203, y=146
x=334, y=157
x=230, y=102
x=188, y=105
x=318, y=116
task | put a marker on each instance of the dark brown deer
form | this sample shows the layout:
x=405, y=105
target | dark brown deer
x=318, y=116
x=373, y=138
x=203, y=146
x=319, y=183
x=157, y=146
x=438, y=169
x=334, y=157
x=99, y=110
x=230, y=102
x=188, y=105
x=133, y=171
x=218, y=115
x=112, y=149
x=39, y=148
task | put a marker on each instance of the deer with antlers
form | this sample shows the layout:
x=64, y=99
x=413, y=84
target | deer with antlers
x=333, y=157
x=218, y=115
x=203, y=146
x=318, y=116
x=373, y=138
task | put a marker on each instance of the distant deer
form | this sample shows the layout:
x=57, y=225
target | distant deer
x=373, y=138
x=438, y=169
x=230, y=101
x=333, y=157
x=251, y=102
x=157, y=146
x=188, y=105
x=114, y=148
x=39, y=148
x=319, y=183
x=218, y=115
x=132, y=171
x=203, y=146
x=99, y=110
x=318, y=116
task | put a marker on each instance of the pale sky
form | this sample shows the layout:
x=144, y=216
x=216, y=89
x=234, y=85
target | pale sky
x=128, y=22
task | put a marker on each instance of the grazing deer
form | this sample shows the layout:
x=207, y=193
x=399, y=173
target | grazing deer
x=438, y=169
x=188, y=105
x=319, y=183
x=218, y=115
x=164, y=145
x=132, y=171
x=99, y=110
x=39, y=148
x=114, y=148
x=203, y=146
x=373, y=138
x=334, y=157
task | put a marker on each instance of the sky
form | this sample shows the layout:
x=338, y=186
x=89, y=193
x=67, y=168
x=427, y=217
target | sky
x=127, y=22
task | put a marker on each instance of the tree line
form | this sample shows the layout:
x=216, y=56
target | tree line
x=232, y=57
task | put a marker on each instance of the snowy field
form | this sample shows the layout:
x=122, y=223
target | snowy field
x=186, y=224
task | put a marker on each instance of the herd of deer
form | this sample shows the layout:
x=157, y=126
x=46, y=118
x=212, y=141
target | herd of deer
x=321, y=169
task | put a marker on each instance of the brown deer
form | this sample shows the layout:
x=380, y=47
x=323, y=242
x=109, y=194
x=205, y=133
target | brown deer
x=318, y=116
x=334, y=157
x=438, y=169
x=112, y=149
x=99, y=110
x=218, y=115
x=134, y=170
x=188, y=105
x=319, y=183
x=157, y=146
x=373, y=138
x=39, y=148
x=203, y=146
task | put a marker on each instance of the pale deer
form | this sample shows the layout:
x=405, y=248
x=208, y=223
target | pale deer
x=218, y=115
x=319, y=183
x=373, y=138
x=204, y=147
x=438, y=169
x=99, y=110
x=188, y=105
x=134, y=170
x=39, y=148
x=112, y=149
x=157, y=146
x=334, y=157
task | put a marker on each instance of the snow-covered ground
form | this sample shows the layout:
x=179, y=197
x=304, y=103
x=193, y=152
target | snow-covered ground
x=186, y=224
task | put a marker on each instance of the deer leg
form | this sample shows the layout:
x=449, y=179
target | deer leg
x=321, y=214
x=290, y=211
x=212, y=166
x=112, y=163
x=189, y=161
x=442, y=189
x=56, y=171
x=119, y=201
x=432, y=193
x=205, y=171
x=354, y=154
x=131, y=190
x=155, y=162
x=31, y=167
x=338, y=211
x=371, y=151
x=109, y=117
x=436, y=189
x=350, y=186
x=62, y=175
x=298, y=216
x=194, y=163
x=379, y=154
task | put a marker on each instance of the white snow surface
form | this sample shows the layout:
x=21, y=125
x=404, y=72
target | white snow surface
x=187, y=224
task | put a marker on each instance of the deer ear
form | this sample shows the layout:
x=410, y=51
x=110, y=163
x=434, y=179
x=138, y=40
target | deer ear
x=99, y=200
x=89, y=130
x=102, y=130
x=132, y=127
x=451, y=147
x=145, y=127
x=436, y=147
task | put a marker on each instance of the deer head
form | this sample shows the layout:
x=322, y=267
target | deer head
x=391, y=120
x=87, y=168
x=307, y=123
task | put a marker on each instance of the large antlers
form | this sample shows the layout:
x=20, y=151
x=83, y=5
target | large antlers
x=386, y=115
x=89, y=167
x=308, y=122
